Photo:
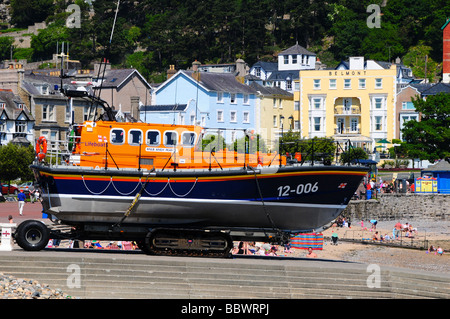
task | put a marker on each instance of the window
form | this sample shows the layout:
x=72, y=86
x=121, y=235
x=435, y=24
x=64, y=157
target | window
x=274, y=121
x=2, y=105
x=317, y=103
x=378, y=83
x=274, y=103
x=354, y=125
x=192, y=119
x=316, y=124
x=294, y=59
x=233, y=98
x=296, y=125
x=347, y=104
x=246, y=99
x=347, y=83
x=280, y=103
x=340, y=125
x=258, y=72
x=378, y=103
x=170, y=138
x=378, y=123
x=296, y=105
x=153, y=138
x=21, y=126
x=408, y=106
x=188, y=139
x=233, y=117
x=135, y=137
x=286, y=59
x=219, y=116
x=362, y=83
x=220, y=97
x=68, y=115
x=117, y=136
x=317, y=84
x=246, y=117
x=297, y=85
x=48, y=113
x=86, y=114
x=289, y=84
x=332, y=84
x=304, y=59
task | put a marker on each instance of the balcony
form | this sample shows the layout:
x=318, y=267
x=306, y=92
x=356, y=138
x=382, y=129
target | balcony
x=352, y=110
x=346, y=131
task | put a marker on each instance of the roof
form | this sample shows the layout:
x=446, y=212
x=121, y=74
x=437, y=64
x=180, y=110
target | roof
x=221, y=82
x=296, y=49
x=270, y=91
x=437, y=88
x=167, y=108
x=283, y=75
x=12, y=102
x=267, y=66
x=446, y=23
x=440, y=166
x=115, y=78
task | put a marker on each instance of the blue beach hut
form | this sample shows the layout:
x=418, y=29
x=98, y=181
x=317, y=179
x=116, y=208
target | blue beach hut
x=439, y=172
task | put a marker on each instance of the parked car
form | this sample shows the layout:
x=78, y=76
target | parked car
x=12, y=189
x=27, y=187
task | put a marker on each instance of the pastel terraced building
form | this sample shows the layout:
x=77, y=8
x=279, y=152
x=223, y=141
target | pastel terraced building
x=355, y=104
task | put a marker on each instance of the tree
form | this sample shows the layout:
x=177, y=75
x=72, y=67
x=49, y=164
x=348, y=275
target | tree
x=429, y=139
x=27, y=12
x=355, y=153
x=5, y=47
x=317, y=148
x=419, y=60
x=15, y=161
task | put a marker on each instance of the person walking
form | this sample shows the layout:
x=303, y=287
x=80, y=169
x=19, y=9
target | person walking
x=21, y=198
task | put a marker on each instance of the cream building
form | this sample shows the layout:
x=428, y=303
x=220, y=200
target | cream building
x=355, y=104
x=274, y=114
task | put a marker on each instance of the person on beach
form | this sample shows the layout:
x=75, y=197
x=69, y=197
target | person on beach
x=440, y=251
x=10, y=218
x=398, y=228
x=334, y=237
x=311, y=254
x=21, y=198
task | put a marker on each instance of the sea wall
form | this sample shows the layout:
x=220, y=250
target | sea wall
x=400, y=206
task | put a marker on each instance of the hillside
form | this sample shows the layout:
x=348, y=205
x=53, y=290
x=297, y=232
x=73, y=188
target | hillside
x=150, y=35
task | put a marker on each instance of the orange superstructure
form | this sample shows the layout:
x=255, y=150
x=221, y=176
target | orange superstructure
x=161, y=146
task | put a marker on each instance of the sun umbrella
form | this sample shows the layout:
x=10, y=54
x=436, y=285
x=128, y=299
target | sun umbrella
x=384, y=141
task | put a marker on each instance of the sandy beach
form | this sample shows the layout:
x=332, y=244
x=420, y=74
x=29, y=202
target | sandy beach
x=436, y=232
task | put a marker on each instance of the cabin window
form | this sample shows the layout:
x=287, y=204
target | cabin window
x=170, y=138
x=153, y=138
x=117, y=136
x=188, y=139
x=135, y=137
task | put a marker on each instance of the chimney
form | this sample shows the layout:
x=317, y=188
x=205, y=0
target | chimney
x=171, y=71
x=196, y=74
x=195, y=65
x=446, y=53
x=356, y=63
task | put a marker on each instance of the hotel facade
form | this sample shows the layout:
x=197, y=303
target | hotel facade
x=355, y=103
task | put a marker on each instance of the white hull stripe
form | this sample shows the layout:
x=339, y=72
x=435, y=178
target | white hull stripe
x=193, y=200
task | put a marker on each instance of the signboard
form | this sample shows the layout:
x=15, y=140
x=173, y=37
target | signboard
x=426, y=184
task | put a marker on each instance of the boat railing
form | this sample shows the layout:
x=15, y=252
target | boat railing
x=58, y=152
